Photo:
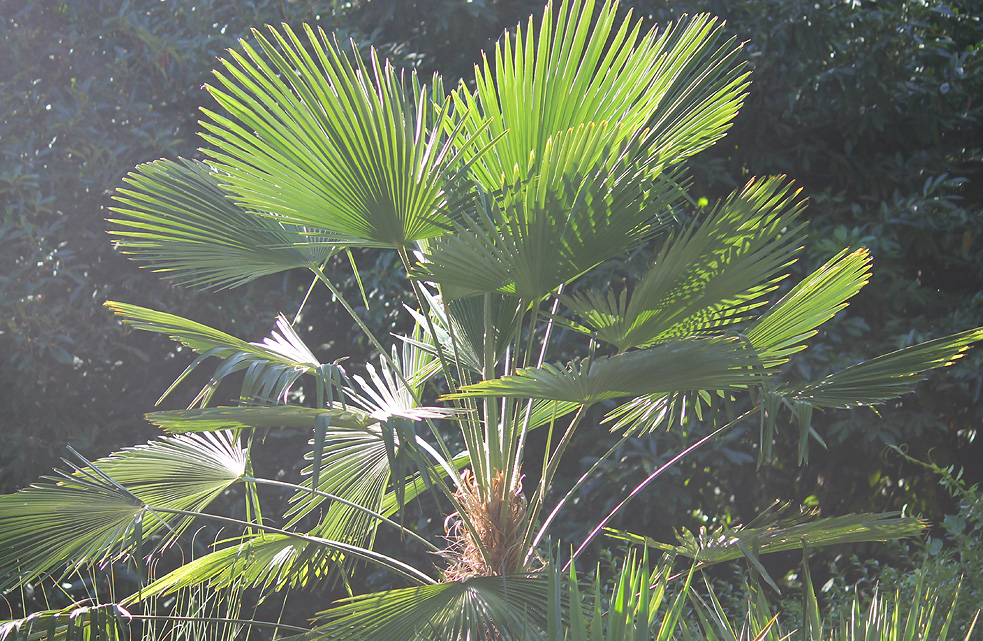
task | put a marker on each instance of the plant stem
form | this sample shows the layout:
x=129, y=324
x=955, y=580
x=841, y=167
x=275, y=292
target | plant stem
x=655, y=475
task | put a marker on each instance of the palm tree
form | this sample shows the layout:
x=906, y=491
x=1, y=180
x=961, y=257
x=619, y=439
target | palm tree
x=499, y=201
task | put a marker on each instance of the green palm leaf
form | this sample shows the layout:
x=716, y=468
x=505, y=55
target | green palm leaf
x=501, y=607
x=262, y=561
x=678, y=83
x=272, y=366
x=885, y=377
x=707, y=364
x=108, y=622
x=549, y=230
x=351, y=148
x=178, y=219
x=771, y=532
x=784, y=328
x=101, y=513
x=713, y=275
x=353, y=462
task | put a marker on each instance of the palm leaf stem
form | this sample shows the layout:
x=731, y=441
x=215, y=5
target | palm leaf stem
x=566, y=497
x=656, y=474
x=493, y=440
x=549, y=469
x=303, y=303
x=398, y=371
x=433, y=332
x=370, y=556
x=361, y=508
x=461, y=512
x=319, y=272
x=515, y=457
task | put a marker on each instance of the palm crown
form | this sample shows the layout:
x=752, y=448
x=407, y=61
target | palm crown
x=499, y=200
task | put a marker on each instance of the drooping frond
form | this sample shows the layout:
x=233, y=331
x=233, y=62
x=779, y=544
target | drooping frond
x=211, y=419
x=885, y=377
x=261, y=561
x=352, y=148
x=711, y=276
x=772, y=532
x=109, y=622
x=101, y=512
x=272, y=366
x=177, y=218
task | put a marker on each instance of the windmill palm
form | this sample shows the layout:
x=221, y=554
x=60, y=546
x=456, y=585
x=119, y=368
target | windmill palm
x=569, y=151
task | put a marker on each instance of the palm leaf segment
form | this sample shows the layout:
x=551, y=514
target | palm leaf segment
x=176, y=217
x=679, y=84
x=106, y=510
x=353, y=149
x=710, y=277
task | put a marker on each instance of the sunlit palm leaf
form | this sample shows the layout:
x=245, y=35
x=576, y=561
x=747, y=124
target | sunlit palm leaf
x=713, y=275
x=353, y=463
x=74, y=623
x=706, y=364
x=355, y=466
x=272, y=366
x=885, y=377
x=353, y=149
x=176, y=217
x=678, y=83
x=387, y=393
x=85, y=518
x=262, y=561
x=784, y=328
x=509, y=607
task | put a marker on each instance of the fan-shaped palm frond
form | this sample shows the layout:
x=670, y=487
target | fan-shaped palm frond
x=707, y=364
x=354, y=465
x=782, y=330
x=176, y=217
x=272, y=366
x=584, y=69
x=352, y=459
x=556, y=228
x=713, y=275
x=885, y=377
x=498, y=607
x=105, y=510
x=354, y=149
